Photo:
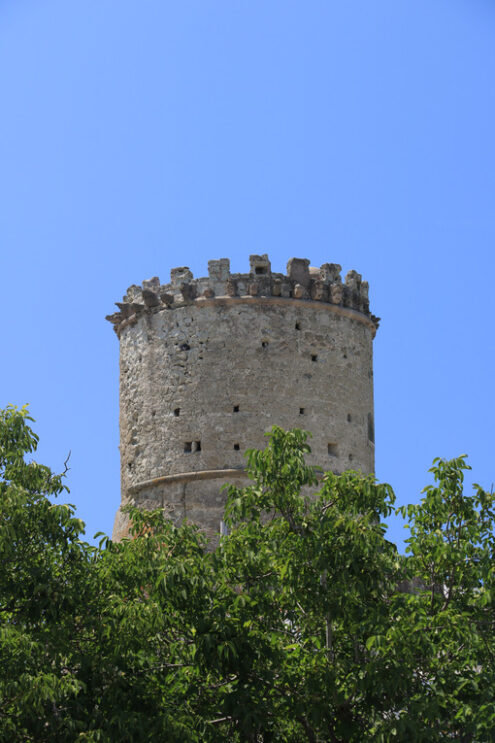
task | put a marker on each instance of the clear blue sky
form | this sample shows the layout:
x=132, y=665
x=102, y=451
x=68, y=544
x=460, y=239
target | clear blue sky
x=139, y=136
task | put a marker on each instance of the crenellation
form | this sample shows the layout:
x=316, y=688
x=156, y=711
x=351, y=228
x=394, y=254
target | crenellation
x=302, y=282
x=261, y=275
x=219, y=270
x=353, y=280
x=166, y=298
x=153, y=283
x=259, y=265
x=330, y=272
x=365, y=297
x=150, y=298
x=219, y=274
x=133, y=294
x=188, y=291
x=180, y=274
x=298, y=271
x=319, y=290
x=336, y=295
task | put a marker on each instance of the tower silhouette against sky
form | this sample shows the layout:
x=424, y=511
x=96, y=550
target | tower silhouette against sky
x=208, y=365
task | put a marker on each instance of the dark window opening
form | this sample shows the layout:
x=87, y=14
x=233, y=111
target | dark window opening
x=185, y=347
x=345, y=356
x=332, y=450
x=236, y=408
x=298, y=326
x=198, y=445
x=188, y=447
x=371, y=428
x=236, y=447
x=177, y=412
x=260, y=270
x=349, y=417
x=351, y=457
x=264, y=344
x=301, y=411
x=314, y=357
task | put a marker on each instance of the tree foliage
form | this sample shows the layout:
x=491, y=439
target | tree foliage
x=303, y=623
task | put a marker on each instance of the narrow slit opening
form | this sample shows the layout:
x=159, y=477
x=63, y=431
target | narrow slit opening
x=371, y=428
x=177, y=412
x=198, y=445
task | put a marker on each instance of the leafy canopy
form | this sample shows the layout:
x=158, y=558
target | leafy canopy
x=303, y=623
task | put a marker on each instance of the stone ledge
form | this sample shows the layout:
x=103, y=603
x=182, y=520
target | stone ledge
x=186, y=477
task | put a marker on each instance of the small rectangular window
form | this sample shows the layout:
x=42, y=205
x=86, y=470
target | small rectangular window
x=301, y=411
x=332, y=450
x=198, y=446
x=298, y=326
x=236, y=408
x=314, y=357
x=260, y=270
x=177, y=412
x=236, y=447
x=264, y=344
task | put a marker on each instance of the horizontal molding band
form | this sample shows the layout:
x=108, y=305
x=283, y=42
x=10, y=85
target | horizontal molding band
x=315, y=304
x=186, y=477
x=192, y=476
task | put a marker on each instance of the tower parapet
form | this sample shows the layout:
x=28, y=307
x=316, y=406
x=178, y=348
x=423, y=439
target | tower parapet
x=208, y=365
x=302, y=281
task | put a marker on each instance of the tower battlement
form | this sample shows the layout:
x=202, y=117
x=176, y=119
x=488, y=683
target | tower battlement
x=209, y=365
x=301, y=282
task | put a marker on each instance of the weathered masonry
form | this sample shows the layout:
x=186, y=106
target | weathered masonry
x=208, y=365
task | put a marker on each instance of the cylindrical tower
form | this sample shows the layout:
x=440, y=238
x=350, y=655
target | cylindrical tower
x=208, y=365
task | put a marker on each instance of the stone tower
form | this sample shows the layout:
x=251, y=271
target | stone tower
x=208, y=365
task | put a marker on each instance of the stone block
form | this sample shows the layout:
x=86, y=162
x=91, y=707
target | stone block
x=298, y=271
x=259, y=265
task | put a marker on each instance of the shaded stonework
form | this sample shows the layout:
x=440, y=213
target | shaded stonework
x=208, y=365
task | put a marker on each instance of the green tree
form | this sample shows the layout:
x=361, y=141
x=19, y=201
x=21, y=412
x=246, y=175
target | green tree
x=43, y=586
x=296, y=626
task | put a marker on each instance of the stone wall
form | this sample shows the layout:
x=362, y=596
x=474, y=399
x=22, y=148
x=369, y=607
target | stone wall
x=208, y=365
